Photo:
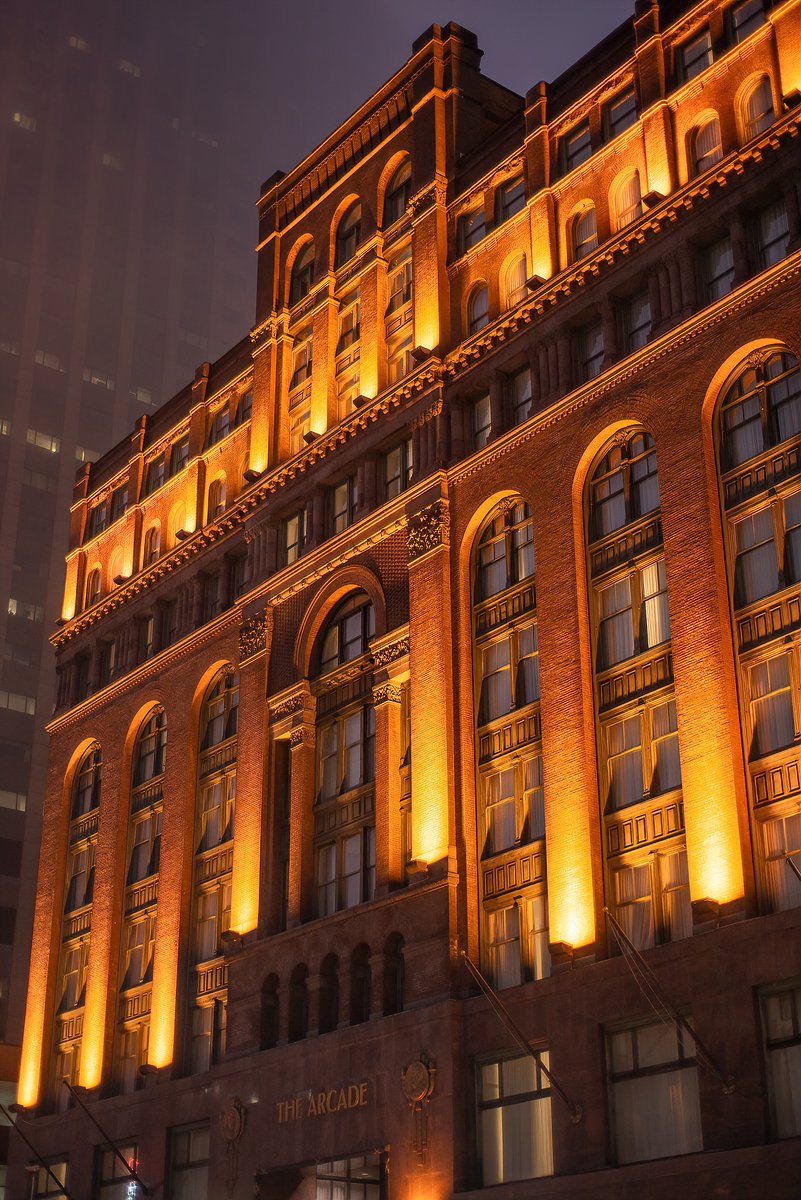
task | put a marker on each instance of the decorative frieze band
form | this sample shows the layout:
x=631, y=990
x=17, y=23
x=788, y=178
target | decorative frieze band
x=384, y=655
x=385, y=693
x=304, y=735
x=252, y=636
x=429, y=529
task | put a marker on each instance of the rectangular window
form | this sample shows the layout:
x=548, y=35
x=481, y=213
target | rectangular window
x=695, y=56
x=294, y=536
x=500, y=807
x=624, y=762
x=771, y=705
x=220, y=424
x=399, y=282
x=349, y=322
x=510, y=199
x=343, y=500
x=155, y=474
x=43, y=441
x=189, y=1162
x=717, y=269
x=782, y=837
x=514, y=1119
x=518, y=387
x=772, y=231
x=744, y=18
x=636, y=322
x=781, y=1022
x=654, y=618
x=481, y=418
x=665, y=748
x=496, y=682
x=634, y=906
x=471, y=229
x=619, y=113
x=113, y=1179
x=503, y=947
x=756, y=570
x=398, y=469
x=676, y=905
x=119, y=502
x=46, y=1188
x=616, y=628
x=653, y=1092
x=359, y=1178
x=576, y=146
x=179, y=454
x=590, y=349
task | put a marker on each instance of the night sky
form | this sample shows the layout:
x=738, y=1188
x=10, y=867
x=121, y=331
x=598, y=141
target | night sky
x=318, y=60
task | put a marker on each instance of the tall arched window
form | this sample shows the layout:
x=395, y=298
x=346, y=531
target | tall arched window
x=583, y=233
x=361, y=985
x=152, y=546
x=329, y=994
x=298, y=1003
x=514, y=281
x=636, y=728
x=706, y=147
x=344, y=810
x=758, y=113
x=302, y=274
x=349, y=234
x=269, y=1013
x=399, y=190
x=92, y=587
x=76, y=924
x=211, y=901
x=216, y=500
x=394, y=975
x=511, y=824
x=628, y=200
x=758, y=441
x=477, y=309
x=140, y=897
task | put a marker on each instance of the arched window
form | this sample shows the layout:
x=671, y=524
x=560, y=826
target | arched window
x=302, y=274
x=93, y=587
x=329, y=994
x=636, y=726
x=628, y=201
x=514, y=281
x=706, y=147
x=214, y=830
x=510, y=800
x=176, y=526
x=349, y=234
x=150, y=750
x=269, y=1013
x=399, y=190
x=394, y=975
x=761, y=408
x=152, y=546
x=298, y=1004
x=477, y=309
x=361, y=985
x=758, y=113
x=216, y=500
x=584, y=233
x=88, y=781
x=759, y=441
x=345, y=749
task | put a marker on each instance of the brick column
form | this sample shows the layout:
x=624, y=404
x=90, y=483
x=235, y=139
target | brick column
x=430, y=655
x=388, y=865
x=104, y=947
x=301, y=814
x=168, y=1004
x=254, y=653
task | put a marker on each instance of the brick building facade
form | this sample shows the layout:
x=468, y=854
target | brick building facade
x=471, y=582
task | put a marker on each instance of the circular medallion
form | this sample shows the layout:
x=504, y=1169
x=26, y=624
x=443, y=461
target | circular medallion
x=416, y=1081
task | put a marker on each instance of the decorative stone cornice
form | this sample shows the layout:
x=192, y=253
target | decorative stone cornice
x=429, y=529
x=433, y=194
x=287, y=708
x=253, y=636
x=303, y=735
x=384, y=693
x=391, y=651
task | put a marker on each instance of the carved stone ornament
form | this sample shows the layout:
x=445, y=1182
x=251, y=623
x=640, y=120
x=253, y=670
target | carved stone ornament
x=432, y=193
x=384, y=692
x=417, y=1083
x=287, y=707
x=253, y=636
x=304, y=735
x=232, y=1125
x=385, y=655
x=429, y=529
x=756, y=358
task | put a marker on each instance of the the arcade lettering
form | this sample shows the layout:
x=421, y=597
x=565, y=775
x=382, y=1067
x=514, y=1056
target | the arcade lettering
x=321, y=1104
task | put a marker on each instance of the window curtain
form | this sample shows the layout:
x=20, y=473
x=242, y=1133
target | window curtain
x=539, y=957
x=759, y=109
x=792, y=525
x=499, y=800
x=676, y=894
x=625, y=762
x=496, y=687
x=609, y=505
x=771, y=705
x=657, y=1116
x=493, y=567
x=784, y=400
x=707, y=146
x=504, y=945
x=743, y=431
x=667, y=765
x=782, y=835
x=534, y=798
x=629, y=202
x=528, y=671
x=516, y=276
x=756, y=571
x=645, y=485
x=655, y=603
x=635, y=909
x=616, y=633
x=585, y=234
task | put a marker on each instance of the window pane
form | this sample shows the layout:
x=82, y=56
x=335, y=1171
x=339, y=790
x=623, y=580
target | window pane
x=624, y=762
x=756, y=572
x=771, y=706
x=616, y=630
